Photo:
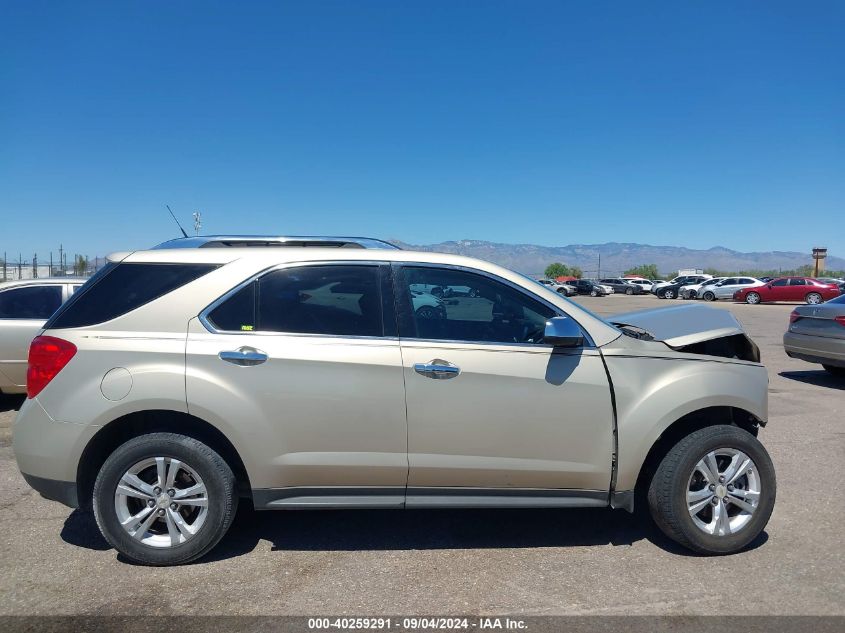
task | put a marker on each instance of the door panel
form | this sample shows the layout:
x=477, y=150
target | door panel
x=321, y=411
x=491, y=406
x=298, y=366
x=15, y=337
x=512, y=418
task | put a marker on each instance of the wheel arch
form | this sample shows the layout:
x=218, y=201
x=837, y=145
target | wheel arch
x=685, y=425
x=138, y=423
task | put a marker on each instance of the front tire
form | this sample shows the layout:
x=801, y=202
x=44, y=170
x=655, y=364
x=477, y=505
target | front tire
x=753, y=298
x=427, y=312
x=669, y=294
x=709, y=296
x=164, y=499
x=594, y=293
x=629, y=291
x=714, y=491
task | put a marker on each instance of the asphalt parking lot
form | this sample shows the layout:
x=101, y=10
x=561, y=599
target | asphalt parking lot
x=537, y=562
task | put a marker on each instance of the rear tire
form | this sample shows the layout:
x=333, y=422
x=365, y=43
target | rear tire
x=195, y=464
x=746, y=495
x=835, y=371
x=813, y=298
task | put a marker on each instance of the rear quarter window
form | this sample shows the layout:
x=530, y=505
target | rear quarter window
x=121, y=288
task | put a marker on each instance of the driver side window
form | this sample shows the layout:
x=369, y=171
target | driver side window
x=456, y=305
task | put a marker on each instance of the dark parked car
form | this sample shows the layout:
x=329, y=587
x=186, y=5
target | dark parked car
x=624, y=286
x=672, y=290
x=816, y=334
x=590, y=287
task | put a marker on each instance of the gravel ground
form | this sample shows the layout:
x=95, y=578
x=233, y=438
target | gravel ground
x=538, y=562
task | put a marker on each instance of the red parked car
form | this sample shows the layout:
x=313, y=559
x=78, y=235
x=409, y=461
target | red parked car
x=789, y=289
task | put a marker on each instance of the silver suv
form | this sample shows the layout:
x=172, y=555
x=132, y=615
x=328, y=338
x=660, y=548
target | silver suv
x=179, y=381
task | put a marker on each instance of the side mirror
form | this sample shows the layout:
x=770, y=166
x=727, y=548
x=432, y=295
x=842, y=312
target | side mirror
x=563, y=332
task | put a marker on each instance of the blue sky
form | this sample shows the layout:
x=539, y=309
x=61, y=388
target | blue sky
x=692, y=123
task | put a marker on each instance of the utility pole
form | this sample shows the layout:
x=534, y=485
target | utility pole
x=4, y=265
x=51, y=264
x=61, y=251
x=35, y=265
x=20, y=267
x=197, y=222
x=599, y=272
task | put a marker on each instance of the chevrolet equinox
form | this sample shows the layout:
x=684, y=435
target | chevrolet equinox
x=177, y=382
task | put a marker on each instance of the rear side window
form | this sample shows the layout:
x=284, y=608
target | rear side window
x=121, y=288
x=342, y=300
x=31, y=302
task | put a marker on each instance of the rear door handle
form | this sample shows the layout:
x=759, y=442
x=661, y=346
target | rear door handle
x=244, y=356
x=437, y=369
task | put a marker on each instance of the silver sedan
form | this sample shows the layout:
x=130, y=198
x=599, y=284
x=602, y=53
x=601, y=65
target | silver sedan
x=24, y=308
x=816, y=334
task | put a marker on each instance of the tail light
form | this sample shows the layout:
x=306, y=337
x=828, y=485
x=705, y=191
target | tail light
x=47, y=357
x=840, y=320
x=794, y=316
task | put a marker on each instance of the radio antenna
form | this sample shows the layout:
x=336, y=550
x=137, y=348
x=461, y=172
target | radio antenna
x=177, y=221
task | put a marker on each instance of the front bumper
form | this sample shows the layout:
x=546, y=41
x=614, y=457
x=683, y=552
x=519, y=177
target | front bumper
x=815, y=349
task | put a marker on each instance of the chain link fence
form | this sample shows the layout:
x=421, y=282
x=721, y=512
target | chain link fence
x=39, y=268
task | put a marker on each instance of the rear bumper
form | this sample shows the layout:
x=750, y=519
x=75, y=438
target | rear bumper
x=46, y=449
x=815, y=349
x=62, y=491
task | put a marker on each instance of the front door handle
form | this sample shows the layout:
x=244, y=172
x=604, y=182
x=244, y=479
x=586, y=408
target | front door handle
x=244, y=356
x=437, y=369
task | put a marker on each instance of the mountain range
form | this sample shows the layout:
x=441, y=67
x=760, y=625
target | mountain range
x=617, y=257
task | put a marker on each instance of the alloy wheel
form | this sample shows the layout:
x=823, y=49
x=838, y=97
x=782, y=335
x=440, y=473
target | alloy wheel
x=161, y=502
x=723, y=492
x=814, y=298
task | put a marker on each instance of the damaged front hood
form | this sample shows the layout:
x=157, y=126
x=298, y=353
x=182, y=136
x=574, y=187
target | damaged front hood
x=683, y=325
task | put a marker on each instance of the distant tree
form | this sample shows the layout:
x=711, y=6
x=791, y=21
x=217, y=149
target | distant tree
x=648, y=271
x=671, y=275
x=79, y=265
x=553, y=271
x=576, y=272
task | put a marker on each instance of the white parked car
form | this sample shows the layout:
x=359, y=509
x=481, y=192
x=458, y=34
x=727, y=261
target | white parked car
x=726, y=288
x=694, y=291
x=556, y=286
x=427, y=306
x=681, y=279
x=645, y=284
